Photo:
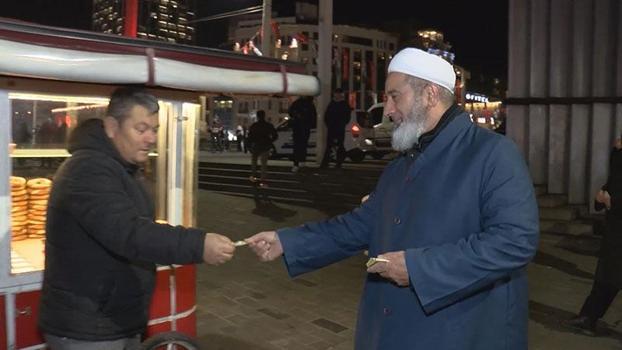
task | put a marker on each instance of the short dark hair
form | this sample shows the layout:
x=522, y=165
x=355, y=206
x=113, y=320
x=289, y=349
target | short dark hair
x=338, y=91
x=123, y=99
x=261, y=115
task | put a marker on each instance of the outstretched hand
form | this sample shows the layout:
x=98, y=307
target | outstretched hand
x=266, y=245
x=217, y=249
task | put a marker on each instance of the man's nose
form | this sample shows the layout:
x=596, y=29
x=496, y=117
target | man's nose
x=389, y=108
x=152, y=137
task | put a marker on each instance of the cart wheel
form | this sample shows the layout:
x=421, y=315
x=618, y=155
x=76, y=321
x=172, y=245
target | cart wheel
x=170, y=341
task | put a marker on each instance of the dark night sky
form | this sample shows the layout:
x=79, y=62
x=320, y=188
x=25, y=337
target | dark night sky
x=477, y=29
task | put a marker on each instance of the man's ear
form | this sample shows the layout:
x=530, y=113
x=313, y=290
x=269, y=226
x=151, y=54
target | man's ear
x=432, y=93
x=111, y=126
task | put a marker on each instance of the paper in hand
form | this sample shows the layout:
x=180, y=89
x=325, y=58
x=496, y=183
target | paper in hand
x=240, y=243
x=373, y=261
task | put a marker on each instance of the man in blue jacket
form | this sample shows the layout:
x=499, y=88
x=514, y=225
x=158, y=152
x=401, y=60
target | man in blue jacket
x=455, y=217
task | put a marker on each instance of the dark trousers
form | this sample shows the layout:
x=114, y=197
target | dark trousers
x=301, y=142
x=263, y=157
x=331, y=142
x=62, y=343
x=599, y=300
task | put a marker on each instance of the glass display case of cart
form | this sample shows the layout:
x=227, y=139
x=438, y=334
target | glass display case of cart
x=40, y=126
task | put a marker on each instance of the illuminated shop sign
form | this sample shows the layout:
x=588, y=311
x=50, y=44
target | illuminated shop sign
x=471, y=97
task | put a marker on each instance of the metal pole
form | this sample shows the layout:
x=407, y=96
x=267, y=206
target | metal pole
x=325, y=44
x=130, y=27
x=266, y=27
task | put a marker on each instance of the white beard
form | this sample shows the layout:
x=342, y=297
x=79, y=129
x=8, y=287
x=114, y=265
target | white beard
x=408, y=132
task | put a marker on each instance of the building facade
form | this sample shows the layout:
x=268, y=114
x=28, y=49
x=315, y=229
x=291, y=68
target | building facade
x=164, y=20
x=564, y=91
x=359, y=59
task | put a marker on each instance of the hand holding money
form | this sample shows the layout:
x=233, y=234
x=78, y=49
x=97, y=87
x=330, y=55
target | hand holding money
x=266, y=245
x=217, y=249
x=391, y=266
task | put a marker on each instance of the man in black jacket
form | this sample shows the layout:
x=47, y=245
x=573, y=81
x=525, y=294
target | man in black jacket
x=336, y=117
x=607, y=278
x=102, y=242
x=260, y=138
x=303, y=117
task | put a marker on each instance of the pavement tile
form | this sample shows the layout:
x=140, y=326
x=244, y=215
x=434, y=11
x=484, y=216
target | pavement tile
x=330, y=325
x=305, y=282
x=274, y=313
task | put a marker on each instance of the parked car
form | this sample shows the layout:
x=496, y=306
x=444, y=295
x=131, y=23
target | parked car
x=284, y=145
x=376, y=130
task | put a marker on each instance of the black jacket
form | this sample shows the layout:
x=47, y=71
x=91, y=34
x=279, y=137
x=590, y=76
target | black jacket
x=610, y=255
x=303, y=116
x=260, y=136
x=336, y=117
x=102, y=244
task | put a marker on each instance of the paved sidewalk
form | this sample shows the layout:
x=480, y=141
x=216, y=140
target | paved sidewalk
x=249, y=305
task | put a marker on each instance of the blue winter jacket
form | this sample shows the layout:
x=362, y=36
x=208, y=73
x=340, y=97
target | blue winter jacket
x=465, y=213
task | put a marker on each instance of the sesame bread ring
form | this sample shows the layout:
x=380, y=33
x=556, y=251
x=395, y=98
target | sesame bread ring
x=17, y=188
x=36, y=218
x=36, y=212
x=19, y=214
x=18, y=209
x=39, y=191
x=39, y=182
x=23, y=198
x=40, y=232
x=20, y=218
x=43, y=202
x=19, y=193
x=42, y=208
x=19, y=228
x=19, y=204
x=18, y=181
x=36, y=226
x=39, y=197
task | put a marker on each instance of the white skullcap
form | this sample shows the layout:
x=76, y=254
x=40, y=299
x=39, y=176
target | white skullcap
x=425, y=66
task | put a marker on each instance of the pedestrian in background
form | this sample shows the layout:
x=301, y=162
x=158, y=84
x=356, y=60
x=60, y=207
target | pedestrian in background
x=302, y=119
x=454, y=219
x=239, y=136
x=336, y=117
x=608, y=276
x=260, y=138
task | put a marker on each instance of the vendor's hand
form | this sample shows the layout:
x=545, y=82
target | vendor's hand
x=217, y=249
x=266, y=245
x=394, y=270
x=604, y=198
